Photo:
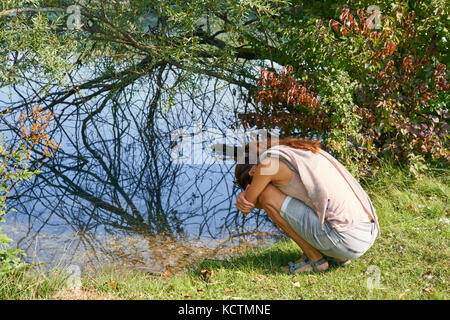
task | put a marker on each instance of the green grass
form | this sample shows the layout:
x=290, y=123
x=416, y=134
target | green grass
x=410, y=260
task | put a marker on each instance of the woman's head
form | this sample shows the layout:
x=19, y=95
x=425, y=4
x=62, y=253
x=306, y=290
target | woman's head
x=244, y=174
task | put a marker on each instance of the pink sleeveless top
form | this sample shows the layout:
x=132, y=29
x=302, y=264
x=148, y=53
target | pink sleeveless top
x=342, y=215
x=332, y=193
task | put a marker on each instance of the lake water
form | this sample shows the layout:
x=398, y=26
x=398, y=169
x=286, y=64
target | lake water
x=124, y=189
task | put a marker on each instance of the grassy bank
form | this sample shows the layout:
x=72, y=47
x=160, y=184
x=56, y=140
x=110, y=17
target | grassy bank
x=409, y=261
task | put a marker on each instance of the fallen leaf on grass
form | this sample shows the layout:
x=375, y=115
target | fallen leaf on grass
x=206, y=275
x=113, y=285
x=427, y=290
x=166, y=272
x=228, y=290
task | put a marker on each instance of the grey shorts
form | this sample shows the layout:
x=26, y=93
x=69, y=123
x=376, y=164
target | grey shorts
x=342, y=245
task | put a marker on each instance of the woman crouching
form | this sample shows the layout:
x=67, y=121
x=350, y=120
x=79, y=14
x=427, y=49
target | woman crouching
x=313, y=199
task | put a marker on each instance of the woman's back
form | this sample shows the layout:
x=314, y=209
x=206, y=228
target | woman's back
x=343, y=210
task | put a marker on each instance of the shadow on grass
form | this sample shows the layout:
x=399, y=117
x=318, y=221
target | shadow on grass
x=261, y=260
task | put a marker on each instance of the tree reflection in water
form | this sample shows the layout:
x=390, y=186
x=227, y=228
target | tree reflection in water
x=114, y=174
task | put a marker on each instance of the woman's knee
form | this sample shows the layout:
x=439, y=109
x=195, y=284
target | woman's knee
x=264, y=197
x=272, y=196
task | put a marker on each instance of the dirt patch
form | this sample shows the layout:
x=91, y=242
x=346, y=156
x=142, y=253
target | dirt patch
x=67, y=294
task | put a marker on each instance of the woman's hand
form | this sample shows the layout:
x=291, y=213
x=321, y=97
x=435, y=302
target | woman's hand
x=243, y=204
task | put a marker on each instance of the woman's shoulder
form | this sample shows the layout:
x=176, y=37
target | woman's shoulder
x=276, y=168
x=267, y=161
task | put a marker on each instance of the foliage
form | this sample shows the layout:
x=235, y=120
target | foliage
x=281, y=92
x=391, y=64
x=382, y=91
x=15, y=168
x=9, y=258
x=404, y=77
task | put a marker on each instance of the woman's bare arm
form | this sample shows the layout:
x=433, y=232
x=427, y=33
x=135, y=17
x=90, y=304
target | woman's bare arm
x=260, y=180
x=268, y=170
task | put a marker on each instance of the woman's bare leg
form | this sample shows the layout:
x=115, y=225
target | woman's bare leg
x=271, y=200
